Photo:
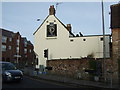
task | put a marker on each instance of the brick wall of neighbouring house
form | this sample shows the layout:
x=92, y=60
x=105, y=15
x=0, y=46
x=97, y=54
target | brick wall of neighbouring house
x=116, y=51
x=73, y=67
x=115, y=27
x=67, y=67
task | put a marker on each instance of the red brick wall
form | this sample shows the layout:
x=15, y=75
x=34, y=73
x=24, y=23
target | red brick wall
x=116, y=50
x=72, y=67
x=9, y=55
x=115, y=27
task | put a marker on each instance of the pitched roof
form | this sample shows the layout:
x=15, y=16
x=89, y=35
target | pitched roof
x=40, y=25
x=58, y=20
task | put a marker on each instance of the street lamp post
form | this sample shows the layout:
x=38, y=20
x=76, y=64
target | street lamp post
x=104, y=51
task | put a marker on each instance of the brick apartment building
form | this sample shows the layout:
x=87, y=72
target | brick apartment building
x=17, y=49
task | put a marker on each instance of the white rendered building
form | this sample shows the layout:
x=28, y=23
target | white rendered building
x=63, y=44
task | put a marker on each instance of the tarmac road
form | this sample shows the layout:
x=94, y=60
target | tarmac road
x=32, y=83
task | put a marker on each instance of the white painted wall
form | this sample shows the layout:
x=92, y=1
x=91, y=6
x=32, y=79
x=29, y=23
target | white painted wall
x=62, y=47
x=93, y=44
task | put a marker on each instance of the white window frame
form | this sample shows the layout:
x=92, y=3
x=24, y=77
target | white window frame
x=25, y=43
x=17, y=49
x=25, y=51
x=10, y=39
x=4, y=39
x=18, y=41
x=3, y=47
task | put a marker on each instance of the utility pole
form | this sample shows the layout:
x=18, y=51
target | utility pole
x=104, y=51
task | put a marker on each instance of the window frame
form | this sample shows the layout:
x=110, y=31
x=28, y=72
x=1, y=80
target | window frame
x=4, y=39
x=4, y=48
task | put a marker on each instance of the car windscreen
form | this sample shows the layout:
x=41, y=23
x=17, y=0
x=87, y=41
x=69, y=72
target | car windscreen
x=8, y=66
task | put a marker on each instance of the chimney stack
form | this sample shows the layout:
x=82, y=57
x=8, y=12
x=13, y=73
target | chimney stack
x=69, y=27
x=52, y=10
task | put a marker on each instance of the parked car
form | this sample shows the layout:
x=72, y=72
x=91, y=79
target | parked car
x=10, y=72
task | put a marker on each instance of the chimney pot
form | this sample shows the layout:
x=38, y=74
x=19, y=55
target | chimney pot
x=69, y=27
x=52, y=10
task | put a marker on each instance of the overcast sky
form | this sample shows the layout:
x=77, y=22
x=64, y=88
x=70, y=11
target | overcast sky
x=84, y=17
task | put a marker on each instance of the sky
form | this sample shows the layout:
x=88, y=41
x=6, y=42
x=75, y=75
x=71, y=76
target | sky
x=85, y=17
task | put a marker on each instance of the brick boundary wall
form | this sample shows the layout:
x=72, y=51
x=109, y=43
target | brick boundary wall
x=75, y=67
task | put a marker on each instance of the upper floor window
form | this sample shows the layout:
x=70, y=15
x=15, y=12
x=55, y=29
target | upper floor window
x=25, y=43
x=30, y=50
x=18, y=41
x=10, y=39
x=25, y=50
x=3, y=47
x=17, y=49
x=10, y=47
x=52, y=30
x=4, y=39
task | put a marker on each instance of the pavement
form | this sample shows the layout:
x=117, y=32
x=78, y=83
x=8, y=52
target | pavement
x=78, y=82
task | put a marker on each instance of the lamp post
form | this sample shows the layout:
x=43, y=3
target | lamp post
x=104, y=51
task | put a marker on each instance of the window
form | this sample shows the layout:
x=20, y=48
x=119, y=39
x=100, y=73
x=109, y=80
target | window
x=101, y=39
x=51, y=23
x=17, y=49
x=9, y=47
x=30, y=50
x=8, y=66
x=25, y=50
x=10, y=39
x=18, y=41
x=4, y=39
x=3, y=47
x=71, y=40
x=25, y=43
x=52, y=30
x=36, y=61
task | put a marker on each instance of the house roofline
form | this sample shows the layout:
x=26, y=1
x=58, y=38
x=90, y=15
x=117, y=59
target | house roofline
x=40, y=25
x=45, y=20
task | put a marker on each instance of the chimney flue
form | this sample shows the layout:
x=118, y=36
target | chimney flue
x=52, y=10
x=69, y=27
